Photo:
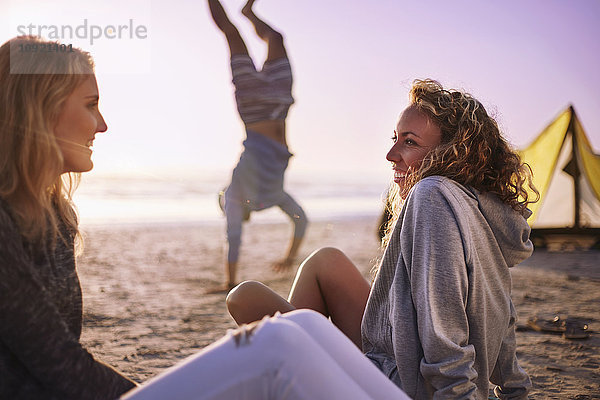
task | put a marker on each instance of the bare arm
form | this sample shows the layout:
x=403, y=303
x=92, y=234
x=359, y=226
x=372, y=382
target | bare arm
x=298, y=217
x=288, y=261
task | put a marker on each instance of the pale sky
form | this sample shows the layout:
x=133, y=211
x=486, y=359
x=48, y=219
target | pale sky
x=168, y=98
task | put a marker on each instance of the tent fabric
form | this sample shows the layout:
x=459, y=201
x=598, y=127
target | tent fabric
x=542, y=156
x=556, y=207
x=590, y=161
x=556, y=163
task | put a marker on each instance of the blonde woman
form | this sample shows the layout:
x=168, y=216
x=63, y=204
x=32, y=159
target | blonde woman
x=49, y=119
x=438, y=319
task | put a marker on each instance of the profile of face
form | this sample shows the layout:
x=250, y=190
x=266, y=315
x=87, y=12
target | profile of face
x=78, y=122
x=415, y=135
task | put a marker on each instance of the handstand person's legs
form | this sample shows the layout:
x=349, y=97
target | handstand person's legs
x=234, y=39
x=274, y=39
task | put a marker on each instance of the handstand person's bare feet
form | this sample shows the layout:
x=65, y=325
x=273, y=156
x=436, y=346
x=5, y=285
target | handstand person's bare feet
x=247, y=10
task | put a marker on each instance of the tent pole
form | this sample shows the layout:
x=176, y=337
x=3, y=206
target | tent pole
x=576, y=172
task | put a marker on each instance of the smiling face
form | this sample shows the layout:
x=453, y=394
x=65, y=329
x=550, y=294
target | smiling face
x=78, y=122
x=414, y=136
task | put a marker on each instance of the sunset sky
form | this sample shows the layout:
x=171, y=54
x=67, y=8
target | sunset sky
x=168, y=98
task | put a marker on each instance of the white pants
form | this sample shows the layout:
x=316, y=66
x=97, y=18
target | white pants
x=297, y=356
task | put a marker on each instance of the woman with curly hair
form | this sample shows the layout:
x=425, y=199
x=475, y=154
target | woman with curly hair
x=438, y=319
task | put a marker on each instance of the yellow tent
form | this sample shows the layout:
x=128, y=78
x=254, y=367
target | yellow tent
x=567, y=174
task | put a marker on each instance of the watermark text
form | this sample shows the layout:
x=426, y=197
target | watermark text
x=86, y=31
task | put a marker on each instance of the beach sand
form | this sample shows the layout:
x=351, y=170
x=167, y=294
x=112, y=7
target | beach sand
x=146, y=305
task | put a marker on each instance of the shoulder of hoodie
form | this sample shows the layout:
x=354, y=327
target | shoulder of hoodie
x=440, y=188
x=508, y=226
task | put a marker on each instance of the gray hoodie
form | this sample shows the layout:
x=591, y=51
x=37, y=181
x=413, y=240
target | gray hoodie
x=439, y=320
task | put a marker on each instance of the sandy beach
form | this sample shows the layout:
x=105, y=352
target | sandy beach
x=146, y=307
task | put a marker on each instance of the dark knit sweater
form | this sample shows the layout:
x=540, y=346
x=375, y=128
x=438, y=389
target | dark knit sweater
x=40, y=324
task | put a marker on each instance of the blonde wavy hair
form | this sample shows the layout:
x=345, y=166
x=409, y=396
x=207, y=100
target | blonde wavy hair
x=34, y=86
x=472, y=151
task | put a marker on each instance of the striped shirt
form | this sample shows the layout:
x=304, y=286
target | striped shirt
x=262, y=95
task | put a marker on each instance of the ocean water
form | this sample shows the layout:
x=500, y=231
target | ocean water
x=192, y=198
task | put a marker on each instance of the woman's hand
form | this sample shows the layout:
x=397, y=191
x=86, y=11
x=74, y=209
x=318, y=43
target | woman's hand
x=283, y=265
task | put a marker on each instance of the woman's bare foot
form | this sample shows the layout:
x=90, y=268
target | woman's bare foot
x=247, y=10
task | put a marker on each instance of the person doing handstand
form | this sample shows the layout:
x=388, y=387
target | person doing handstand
x=263, y=100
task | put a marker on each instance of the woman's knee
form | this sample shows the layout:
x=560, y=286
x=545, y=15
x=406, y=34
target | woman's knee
x=251, y=300
x=244, y=293
x=330, y=253
x=284, y=335
x=308, y=319
x=326, y=257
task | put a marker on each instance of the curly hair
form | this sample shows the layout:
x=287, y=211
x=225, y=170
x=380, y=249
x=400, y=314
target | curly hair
x=472, y=151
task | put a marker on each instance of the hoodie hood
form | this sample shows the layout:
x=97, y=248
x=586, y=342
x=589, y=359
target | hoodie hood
x=509, y=226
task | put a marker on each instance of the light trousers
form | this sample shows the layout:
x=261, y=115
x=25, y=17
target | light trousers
x=300, y=355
